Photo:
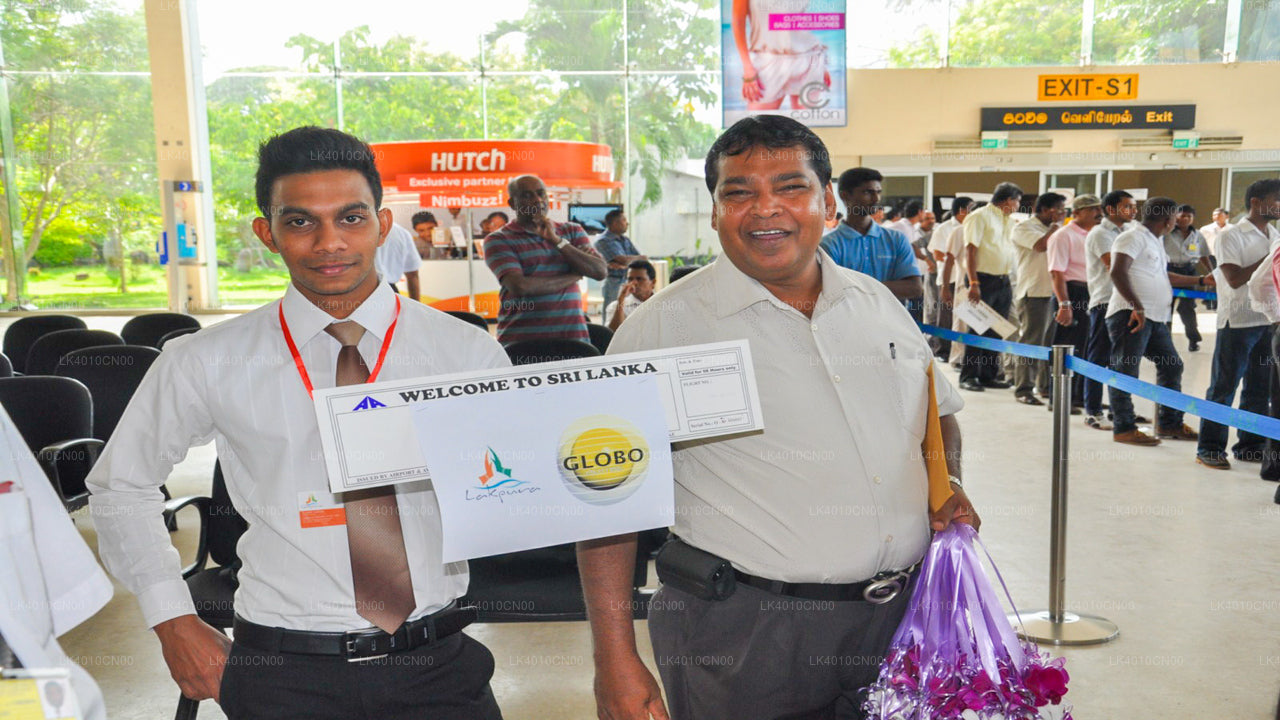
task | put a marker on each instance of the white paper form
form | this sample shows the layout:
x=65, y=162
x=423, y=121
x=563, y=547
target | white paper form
x=367, y=431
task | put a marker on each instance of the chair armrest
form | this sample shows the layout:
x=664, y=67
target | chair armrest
x=51, y=456
x=172, y=507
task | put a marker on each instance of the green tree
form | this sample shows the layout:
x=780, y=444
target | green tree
x=581, y=36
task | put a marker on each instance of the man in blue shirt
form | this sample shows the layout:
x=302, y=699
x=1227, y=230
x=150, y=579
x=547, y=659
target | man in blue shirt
x=618, y=251
x=861, y=244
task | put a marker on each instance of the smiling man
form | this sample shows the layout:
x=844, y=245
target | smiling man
x=819, y=509
x=352, y=618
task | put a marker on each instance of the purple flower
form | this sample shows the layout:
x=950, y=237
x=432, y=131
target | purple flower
x=1048, y=683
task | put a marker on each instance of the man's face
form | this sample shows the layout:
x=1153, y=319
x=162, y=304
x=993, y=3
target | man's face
x=529, y=199
x=619, y=224
x=960, y=215
x=1009, y=205
x=1054, y=214
x=1127, y=210
x=863, y=200
x=1183, y=220
x=1268, y=207
x=1088, y=217
x=326, y=229
x=769, y=208
x=424, y=230
x=927, y=221
x=641, y=285
x=1220, y=218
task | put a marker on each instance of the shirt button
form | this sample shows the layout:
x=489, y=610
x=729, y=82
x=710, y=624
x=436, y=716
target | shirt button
x=814, y=327
x=888, y=538
x=877, y=478
x=835, y=378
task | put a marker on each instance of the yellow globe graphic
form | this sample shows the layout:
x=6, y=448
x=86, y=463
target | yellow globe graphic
x=599, y=447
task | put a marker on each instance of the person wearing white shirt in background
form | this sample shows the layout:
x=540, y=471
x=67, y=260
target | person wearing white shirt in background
x=1033, y=293
x=49, y=579
x=1118, y=210
x=956, y=259
x=909, y=225
x=1138, y=320
x=638, y=288
x=312, y=597
x=397, y=257
x=1264, y=298
x=946, y=274
x=1242, y=347
x=1213, y=230
x=988, y=264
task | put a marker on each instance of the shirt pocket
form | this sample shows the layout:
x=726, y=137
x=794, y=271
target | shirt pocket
x=905, y=382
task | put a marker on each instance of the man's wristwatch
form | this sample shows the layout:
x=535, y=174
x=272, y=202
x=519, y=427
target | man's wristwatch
x=956, y=480
x=563, y=241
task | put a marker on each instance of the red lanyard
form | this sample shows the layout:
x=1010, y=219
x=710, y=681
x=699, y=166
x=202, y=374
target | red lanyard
x=302, y=369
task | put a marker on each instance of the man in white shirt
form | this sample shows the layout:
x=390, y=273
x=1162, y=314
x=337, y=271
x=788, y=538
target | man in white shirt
x=1138, y=320
x=397, y=257
x=844, y=380
x=989, y=262
x=1033, y=292
x=1242, y=349
x=938, y=247
x=366, y=584
x=1118, y=210
x=637, y=288
x=1213, y=230
x=1264, y=298
x=909, y=225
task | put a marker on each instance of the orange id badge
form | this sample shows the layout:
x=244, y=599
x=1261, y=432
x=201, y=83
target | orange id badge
x=319, y=509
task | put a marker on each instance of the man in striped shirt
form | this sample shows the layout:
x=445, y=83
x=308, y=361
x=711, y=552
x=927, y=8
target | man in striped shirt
x=539, y=263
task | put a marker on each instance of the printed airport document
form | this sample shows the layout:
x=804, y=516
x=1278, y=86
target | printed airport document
x=567, y=462
x=367, y=431
x=980, y=317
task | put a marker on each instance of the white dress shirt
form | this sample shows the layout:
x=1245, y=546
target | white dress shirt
x=397, y=256
x=834, y=488
x=938, y=243
x=1096, y=244
x=1148, y=274
x=49, y=580
x=1033, y=265
x=1211, y=232
x=236, y=382
x=1242, y=244
x=1262, y=287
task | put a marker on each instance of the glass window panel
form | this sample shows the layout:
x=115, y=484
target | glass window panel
x=1014, y=33
x=1260, y=31
x=1134, y=32
x=386, y=108
x=244, y=111
x=46, y=35
x=907, y=36
x=559, y=36
x=516, y=104
x=87, y=189
x=678, y=35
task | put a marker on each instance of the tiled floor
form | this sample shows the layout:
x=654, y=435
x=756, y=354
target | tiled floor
x=1184, y=559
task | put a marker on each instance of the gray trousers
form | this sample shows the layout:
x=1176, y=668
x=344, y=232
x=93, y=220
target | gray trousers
x=762, y=656
x=1035, y=326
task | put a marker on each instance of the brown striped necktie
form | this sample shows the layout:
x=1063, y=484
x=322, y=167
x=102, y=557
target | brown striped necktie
x=379, y=563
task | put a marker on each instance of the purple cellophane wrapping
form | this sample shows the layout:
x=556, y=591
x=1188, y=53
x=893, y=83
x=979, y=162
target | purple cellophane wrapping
x=956, y=657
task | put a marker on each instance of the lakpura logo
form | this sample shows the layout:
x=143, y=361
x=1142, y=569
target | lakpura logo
x=603, y=459
x=494, y=470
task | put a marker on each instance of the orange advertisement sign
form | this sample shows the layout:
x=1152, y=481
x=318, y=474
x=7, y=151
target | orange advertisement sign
x=481, y=167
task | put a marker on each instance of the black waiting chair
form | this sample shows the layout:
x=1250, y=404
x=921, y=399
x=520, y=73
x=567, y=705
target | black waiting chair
x=470, y=317
x=23, y=332
x=175, y=334
x=6, y=367
x=112, y=373
x=48, y=350
x=55, y=417
x=150, y=328
x=601, y=336
x=213, y=589
x=528, y=352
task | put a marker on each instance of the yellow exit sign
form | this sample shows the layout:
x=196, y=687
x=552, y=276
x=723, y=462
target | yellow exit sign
x=1087, y=87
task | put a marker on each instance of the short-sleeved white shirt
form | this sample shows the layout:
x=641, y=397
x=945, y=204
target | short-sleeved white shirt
x=397, y=256
x=1033, y=265
x=1096, y=244
x=939, y=241
x=1262, y=287
x=1148, y=275
x=1242, y=244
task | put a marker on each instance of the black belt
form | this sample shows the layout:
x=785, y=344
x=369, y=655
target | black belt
x=356, y=644
x=878, y=590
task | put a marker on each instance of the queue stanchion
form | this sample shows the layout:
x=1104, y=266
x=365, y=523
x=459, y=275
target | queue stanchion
x=1056, y=626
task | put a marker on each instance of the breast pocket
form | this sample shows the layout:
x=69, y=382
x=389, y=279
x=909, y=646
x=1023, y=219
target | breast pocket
x=906, y=382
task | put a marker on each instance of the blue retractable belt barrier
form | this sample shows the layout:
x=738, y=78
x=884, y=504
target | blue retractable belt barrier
x=1253, y=422
x=1198, y=294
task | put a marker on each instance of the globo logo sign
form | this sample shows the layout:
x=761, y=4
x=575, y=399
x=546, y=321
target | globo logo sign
x=603, y=459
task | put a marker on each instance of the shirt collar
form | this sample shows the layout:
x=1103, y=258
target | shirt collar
x=306, y=320
x=736, y=291
x=1270, y=233
x=876, y=230
x=1106, y=222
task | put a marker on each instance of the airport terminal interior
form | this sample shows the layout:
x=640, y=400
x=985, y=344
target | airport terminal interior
x=128, y=133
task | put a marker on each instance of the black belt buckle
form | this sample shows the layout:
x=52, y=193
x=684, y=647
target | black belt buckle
x=362, y=645
x=886, y=586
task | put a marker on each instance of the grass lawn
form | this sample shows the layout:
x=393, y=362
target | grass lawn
x=58, y=288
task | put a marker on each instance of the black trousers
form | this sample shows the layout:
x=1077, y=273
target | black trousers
x=445, y=681
x=1271, y=452
x=980, y=364
x=1076, y=334
x=1186, y=307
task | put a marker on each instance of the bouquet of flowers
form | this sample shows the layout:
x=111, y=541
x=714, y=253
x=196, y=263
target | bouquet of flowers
x=956, y=657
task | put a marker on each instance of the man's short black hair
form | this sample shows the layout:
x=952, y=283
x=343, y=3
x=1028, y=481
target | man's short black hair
x=1049, y=200
x=1261, y=189
x=1158, y=208
x=775, y=132
x=423, y=217
x=853, y=177
x=612, y=215
x=1113, y=198
x=912, y=208
x=961, y=203
x=1185, y=208
x=496, y=213
x=1005, y=191
x=311, y=149
x=684, y=270
x=646, y=266
x=891, y=213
